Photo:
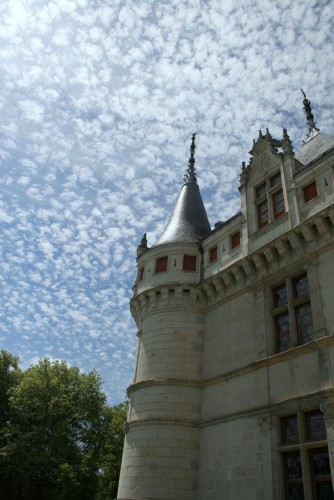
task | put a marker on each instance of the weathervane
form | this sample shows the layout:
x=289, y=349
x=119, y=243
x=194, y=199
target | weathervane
x=308, y=112
x=190, y=176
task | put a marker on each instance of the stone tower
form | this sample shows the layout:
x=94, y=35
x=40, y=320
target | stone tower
x=160, y=458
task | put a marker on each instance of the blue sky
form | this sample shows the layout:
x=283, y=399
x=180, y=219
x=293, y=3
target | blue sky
x=98, y=100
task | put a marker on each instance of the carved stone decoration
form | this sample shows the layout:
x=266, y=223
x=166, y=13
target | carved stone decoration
x=327, y=409
x=244, y=176
x=287, y=144
x=264, y=423
x=142, y=247
x=262, y=166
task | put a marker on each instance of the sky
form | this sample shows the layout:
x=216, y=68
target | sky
x=98, y=102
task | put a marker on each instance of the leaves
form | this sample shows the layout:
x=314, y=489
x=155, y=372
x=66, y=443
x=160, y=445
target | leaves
x=58, y=438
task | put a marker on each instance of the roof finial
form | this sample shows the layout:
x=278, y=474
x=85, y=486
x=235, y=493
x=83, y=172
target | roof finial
x=190, y=176
x=308, y=112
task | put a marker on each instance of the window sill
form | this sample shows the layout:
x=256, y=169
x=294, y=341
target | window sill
x=268, y=227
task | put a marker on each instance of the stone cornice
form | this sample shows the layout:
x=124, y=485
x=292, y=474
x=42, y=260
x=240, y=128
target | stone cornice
x=298, y=244
x=161, y=421
x=306, y=402
x=268, y=361
x=167, y=296
x=159, y=382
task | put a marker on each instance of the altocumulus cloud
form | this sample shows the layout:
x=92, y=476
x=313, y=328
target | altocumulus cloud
x=98, y=103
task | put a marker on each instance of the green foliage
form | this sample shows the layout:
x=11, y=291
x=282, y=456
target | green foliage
x=9, y=377
x=112, y=452
x=58, y=438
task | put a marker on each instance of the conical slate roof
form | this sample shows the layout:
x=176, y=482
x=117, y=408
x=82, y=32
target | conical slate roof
x=188, y=222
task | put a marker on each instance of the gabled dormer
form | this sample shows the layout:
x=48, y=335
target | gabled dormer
x=279, y=188
x=264, y=188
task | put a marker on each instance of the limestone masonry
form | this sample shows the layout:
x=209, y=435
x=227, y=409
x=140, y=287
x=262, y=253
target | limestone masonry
x=232, y=397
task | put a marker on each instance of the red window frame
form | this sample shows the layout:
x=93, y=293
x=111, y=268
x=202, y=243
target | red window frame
x=235, y=240
x=213, y=254
x=189, y=262
x=310, y=192
x=161, y=265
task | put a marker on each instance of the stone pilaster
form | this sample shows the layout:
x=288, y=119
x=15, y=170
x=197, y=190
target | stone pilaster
x=327, y=409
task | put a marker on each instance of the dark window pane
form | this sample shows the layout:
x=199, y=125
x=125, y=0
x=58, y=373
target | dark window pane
x=280, y=296
x=321, y=474
x=261, y=190
x=315, y=425
x=293, y=465
x=141, y=274
x=321, y=465
x=295, y=491
x=293, y=476
x=278, y=204
x=282, y=326
x=324, y=490
x=289, y=426
x=300, y=286
x=304, y=323
x=263, y=214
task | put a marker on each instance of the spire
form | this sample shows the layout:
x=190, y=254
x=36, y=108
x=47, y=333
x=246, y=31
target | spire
x=188, y=222
x=190, y=176
x=309, y=114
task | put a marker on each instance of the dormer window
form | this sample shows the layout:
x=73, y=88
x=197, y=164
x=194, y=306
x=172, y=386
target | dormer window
x=269, y=200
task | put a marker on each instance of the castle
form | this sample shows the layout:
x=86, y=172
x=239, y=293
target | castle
x=233, y=395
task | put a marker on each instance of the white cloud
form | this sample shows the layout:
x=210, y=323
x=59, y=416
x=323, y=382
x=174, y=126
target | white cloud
x=98, y=105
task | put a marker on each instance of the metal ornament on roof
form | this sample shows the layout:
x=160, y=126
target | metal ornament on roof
x=190, y=176
x=309, y=114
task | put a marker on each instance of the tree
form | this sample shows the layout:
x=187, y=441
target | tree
x=56, y=435
x=9, y=377
x=112, y=452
